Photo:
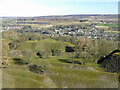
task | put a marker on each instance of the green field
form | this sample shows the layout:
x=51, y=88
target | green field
x=110, y=25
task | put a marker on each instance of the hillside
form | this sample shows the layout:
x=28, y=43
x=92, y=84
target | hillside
x=111, y=62
x=60, y=52
x=61, y=75
x=55, y=71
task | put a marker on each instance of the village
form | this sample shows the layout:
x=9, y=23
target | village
x=78, y=31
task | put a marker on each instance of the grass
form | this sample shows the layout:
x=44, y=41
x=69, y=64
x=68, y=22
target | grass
x=110, y=25
x=117, y=53
x=26, y=45
x=24, y=79
x=48, y=40
x=112, y=32
x=18, y=76
x=76, y=78
x=62, y=75
x=80, y=76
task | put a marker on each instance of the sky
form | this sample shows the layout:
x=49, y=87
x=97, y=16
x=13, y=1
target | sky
x=57, y=7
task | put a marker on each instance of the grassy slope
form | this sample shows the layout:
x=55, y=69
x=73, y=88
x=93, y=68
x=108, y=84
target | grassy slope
x=16, y=77
x=62, y=74
x=31, y=44
x=78, y=76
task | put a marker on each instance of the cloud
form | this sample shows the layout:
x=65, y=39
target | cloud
x=54, y=7
x=22, y=8
x=78, y=0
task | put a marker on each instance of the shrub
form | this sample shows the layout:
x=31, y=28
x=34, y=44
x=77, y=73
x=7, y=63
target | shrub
x=27, y=56
x=70, y=61
x=37, y=69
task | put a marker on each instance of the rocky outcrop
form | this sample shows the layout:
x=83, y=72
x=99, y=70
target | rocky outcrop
x=111, y=62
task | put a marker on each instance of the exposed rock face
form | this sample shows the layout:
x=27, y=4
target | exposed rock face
x=111, y=62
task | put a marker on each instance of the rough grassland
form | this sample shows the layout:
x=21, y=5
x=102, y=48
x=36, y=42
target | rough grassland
x=23, y=79
x=76, y=76
x=60, y=75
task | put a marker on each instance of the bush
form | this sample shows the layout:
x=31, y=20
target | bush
x=37, y=69
x=28, y=56
x=70, y=61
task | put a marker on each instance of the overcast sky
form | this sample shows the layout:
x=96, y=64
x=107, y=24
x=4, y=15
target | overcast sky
x=57, y=7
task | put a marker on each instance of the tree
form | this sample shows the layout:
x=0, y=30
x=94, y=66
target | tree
x=14, y=44
x=27, y=56
x=13, y=35
x=43, y=49
x=5, y=52
x=83, y=45
x=58, y=48
x=105, y=47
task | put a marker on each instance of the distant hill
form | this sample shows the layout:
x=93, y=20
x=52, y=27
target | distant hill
x=109, y=16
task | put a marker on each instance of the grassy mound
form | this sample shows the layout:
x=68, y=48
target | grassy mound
x=32, y=44
x=23, y=79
